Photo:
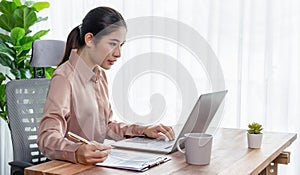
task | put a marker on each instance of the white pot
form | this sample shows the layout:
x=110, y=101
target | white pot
x=254, y=140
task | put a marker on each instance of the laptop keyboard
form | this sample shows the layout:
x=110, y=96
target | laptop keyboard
x=139, y=140
x=152, y=142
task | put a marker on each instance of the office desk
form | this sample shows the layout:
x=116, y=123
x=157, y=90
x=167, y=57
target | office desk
x=230, y=156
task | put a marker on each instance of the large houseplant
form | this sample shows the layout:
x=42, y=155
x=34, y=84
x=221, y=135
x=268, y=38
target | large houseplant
x=16, y=39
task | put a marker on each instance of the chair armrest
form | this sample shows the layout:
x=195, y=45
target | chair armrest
x=20, y=164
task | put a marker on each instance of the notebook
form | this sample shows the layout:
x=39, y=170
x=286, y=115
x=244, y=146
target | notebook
x=135, y=161
x=198, y=121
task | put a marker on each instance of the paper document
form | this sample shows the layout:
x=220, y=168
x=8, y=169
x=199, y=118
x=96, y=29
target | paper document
x=131, y=160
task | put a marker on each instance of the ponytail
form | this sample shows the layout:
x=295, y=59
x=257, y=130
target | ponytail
x=74, y=41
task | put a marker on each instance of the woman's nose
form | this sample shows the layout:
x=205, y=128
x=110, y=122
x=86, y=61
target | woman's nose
x=117, y=52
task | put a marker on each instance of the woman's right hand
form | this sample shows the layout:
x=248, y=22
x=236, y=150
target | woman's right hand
x=92, y=154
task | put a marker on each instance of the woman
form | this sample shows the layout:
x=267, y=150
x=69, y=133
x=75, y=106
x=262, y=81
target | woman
x=77, y=99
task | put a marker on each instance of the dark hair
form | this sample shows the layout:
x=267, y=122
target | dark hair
x=99, y=21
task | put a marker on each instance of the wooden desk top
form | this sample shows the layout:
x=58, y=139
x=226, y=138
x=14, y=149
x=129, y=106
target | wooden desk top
x=230, y=155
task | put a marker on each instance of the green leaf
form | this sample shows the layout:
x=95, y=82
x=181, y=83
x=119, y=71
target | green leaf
x=5, y=38
x=255, y=128
x=39, y=34
x=7, y=7
x=2, y=94
x=26, y=39
x=25, y=17
x=17, y=2
x=16, y=35
x=25, y=73
x=42, y=19
x=6, y=22
x=24, y=47
x=3, y=106
x=16, y=47
x=16, y=73
x=2, y=78
x=23, y=56
x=6, y=50
x=29, y=3
x=3, y=115
x=20, y=59
x=5, y=60
x=49, y=72
x=41, y=5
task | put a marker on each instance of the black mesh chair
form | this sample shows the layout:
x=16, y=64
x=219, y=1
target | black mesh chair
x=25, y=103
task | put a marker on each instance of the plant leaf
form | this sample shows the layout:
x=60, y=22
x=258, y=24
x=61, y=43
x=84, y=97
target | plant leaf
x=7, y=7
x=254, y=128
x=25, y=73
x=17, y=2
x=41, y=19
x=23, y=56
x=2, y=92
x=39, y=34
x=20, y=59
x=49, y=72
x=3, y=108
x=16, y=35
x=26, y=39
x=5, y=60
x=41, y=5
x=29, y=3
x=24, y=17
x=6, y=22
x=5, y=38
x=2, y=77
x=16, y=73
x=6, y=50
x=24, y=47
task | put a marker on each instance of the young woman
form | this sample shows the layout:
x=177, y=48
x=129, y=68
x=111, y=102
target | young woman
x=77, y=99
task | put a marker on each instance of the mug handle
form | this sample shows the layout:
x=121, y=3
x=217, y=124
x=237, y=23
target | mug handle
x=178, y=144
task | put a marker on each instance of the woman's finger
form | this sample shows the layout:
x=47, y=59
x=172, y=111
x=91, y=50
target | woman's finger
x=100, y=146
x=168, y=131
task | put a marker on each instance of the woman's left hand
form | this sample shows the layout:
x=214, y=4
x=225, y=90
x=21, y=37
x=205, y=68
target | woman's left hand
x=160, y=131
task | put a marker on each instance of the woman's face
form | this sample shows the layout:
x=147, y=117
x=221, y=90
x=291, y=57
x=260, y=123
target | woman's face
x=108, y=49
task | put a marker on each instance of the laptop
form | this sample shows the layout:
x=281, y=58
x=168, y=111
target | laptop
x=198, y=121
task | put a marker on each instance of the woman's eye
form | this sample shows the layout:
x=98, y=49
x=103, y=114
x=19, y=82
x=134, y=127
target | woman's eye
x=113, y=44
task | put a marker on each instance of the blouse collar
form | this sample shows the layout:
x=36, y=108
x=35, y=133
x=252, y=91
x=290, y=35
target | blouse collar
x=84, y=72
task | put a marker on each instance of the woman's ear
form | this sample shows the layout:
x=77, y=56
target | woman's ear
x=89, y=39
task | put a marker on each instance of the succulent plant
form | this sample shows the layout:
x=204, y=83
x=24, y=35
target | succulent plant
x=254, y=128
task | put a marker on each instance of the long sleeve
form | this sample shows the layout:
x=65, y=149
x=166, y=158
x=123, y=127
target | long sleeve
x=119, y=130
x=53, y=126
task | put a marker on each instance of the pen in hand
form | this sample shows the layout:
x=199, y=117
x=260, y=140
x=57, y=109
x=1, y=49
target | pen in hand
x=89, y=152
x=83, y=140
x=78, y=138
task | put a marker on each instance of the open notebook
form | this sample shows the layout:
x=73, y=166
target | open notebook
x=132, y=160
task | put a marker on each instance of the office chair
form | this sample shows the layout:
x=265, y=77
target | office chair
x=25, y=104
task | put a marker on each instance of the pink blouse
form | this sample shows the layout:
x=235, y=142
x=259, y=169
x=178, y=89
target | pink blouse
x=77, y=101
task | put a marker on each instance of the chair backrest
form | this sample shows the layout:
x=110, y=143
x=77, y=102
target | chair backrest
x=25, y=103
x=26, y=99
x=46, y=53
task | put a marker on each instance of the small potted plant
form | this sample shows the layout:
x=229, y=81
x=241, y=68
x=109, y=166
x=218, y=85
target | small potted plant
x=254, y=135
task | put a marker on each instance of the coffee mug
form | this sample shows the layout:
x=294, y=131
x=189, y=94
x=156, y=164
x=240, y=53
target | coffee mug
x=197, y=148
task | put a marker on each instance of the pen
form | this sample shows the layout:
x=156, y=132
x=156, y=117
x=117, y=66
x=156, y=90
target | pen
x=83, y=140
x=78, y=138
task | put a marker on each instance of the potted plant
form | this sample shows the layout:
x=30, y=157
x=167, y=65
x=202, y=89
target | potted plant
x=16, y=37
x=254, y=135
